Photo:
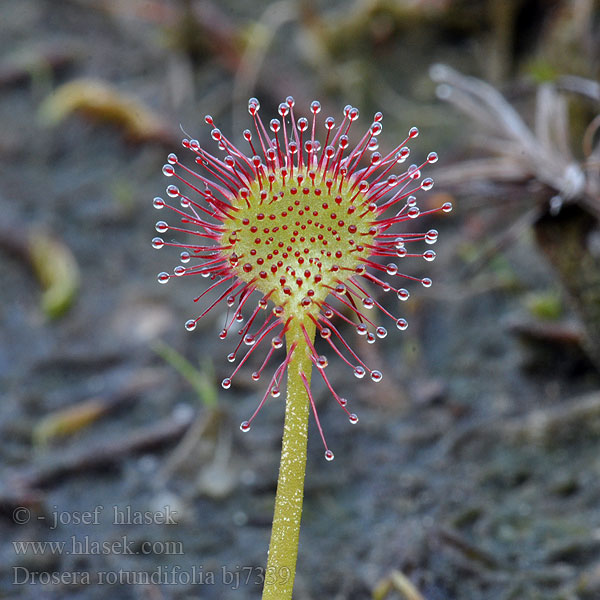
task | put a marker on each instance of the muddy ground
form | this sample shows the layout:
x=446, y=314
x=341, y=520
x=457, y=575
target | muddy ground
x=474, y=470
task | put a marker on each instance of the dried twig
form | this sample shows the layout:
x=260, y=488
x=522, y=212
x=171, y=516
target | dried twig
x=59, y=465
x=75, y=417
x=544, y=155
x=468, y=549
x=537, y=425
x=398, y=581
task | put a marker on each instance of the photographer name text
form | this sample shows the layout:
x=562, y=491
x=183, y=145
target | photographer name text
x=120, y=515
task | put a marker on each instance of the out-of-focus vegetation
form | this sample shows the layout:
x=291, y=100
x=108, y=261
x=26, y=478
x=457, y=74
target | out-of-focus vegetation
x=474, y=470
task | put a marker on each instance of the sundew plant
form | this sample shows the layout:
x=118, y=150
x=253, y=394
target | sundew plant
x=292, y=233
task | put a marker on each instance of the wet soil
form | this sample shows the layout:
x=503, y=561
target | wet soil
x=474, y=469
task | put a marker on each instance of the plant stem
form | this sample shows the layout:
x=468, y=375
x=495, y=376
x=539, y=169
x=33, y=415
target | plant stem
x=283, y=549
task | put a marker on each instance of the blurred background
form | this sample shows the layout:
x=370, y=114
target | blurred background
x=474, y=471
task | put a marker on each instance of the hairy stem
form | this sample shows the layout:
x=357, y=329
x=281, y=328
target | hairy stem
x=283, y=549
